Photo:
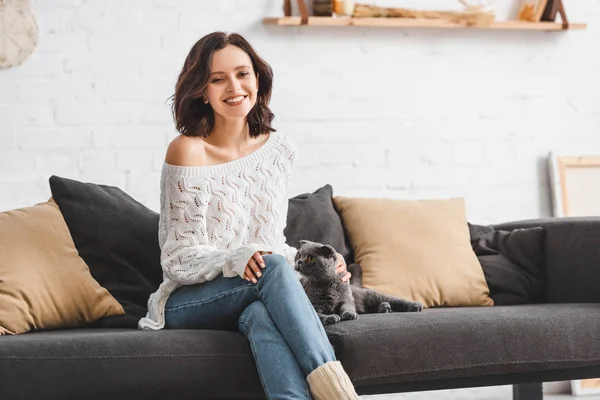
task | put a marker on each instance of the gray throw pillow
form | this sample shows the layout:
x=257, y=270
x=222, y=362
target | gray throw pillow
x=312, y=216
x=117, y=237
x=512, y=262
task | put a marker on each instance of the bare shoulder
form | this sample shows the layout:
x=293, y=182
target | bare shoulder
x=186, y=151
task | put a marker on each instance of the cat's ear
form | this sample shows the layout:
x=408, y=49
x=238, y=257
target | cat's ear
x=304, y=241
x=328, y=251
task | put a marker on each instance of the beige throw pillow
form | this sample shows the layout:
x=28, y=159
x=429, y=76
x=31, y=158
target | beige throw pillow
x=44, y=284
x=415, y=249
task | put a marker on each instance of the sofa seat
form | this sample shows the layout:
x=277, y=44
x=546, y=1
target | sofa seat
x=127, y=364
x=376, y=350
x=450, y=343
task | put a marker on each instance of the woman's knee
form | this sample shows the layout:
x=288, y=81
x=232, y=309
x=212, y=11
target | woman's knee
x=276, y=260
x=277, y=265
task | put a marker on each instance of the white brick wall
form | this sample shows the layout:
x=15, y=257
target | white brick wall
x=376, y=112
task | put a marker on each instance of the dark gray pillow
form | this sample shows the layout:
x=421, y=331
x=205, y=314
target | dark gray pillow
x=312, y=216
x=512, y=261
x=118, y=239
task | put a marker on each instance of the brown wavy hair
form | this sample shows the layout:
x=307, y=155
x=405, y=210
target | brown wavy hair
x=195, y=118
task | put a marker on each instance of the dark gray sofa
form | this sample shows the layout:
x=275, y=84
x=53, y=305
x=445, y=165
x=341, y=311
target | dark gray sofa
x=436, y=349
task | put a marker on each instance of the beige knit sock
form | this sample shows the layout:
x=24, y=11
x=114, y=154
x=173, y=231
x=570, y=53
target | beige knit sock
x=330, y=382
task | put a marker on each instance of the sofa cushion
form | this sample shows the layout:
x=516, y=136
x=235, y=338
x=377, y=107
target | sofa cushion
x=512, y=261
x=44, y=283
x=311, y=216
x=128, y=364
x=118, y=239
x=445, y=343
x=415, y=249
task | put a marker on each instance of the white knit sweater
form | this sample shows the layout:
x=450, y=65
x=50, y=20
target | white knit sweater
x=214, y=218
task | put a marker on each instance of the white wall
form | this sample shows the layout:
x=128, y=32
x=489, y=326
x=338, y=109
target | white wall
x=376, y=112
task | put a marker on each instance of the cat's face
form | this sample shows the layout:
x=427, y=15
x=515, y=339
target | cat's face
x=315, y=260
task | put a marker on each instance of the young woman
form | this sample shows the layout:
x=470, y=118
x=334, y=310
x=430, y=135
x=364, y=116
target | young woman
x=224, y=200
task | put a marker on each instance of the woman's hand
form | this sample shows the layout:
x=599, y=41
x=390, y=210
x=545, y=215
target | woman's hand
x=255, y=265
x=340, y=267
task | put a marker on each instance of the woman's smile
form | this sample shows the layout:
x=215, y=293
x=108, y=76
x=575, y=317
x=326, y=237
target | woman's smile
x=235, y=100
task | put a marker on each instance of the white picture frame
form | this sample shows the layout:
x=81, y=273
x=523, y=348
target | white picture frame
x=575, y=184
x=585, y=387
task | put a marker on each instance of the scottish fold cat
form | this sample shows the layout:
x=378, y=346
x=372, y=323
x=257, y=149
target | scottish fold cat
x=333, y=299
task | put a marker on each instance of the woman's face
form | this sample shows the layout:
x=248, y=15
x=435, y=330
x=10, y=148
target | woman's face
x=233, y=85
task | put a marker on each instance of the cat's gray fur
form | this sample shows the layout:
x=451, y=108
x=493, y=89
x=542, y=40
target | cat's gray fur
x=333, y=299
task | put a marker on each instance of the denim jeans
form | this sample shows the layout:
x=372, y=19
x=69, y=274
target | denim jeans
x=286, y=336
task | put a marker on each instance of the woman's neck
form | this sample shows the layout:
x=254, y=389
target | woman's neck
x=232, y=133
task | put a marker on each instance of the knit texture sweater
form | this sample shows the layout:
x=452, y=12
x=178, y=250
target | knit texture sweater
x=214, y=218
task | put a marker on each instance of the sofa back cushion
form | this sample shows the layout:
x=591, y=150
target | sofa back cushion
x=572, y=257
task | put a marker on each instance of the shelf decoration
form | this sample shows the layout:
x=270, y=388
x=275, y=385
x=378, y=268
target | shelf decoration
x=532, y=15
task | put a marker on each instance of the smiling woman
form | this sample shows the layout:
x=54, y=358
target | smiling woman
x=224, y=199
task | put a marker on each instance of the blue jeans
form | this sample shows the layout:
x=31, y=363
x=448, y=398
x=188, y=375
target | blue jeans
x=285, y=334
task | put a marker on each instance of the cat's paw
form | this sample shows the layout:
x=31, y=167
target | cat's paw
x=415, y=307
x=330, y=319
x=384, y=308
x=347, y=316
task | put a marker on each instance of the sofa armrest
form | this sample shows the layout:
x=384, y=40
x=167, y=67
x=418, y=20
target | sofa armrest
x=572, y=257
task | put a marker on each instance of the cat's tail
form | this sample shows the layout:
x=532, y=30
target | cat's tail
x=374, y=299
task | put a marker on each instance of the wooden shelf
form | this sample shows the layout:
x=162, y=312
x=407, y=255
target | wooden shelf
x=417, y=23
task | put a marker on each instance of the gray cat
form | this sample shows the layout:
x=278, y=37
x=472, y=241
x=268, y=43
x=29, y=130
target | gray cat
x=333, y=299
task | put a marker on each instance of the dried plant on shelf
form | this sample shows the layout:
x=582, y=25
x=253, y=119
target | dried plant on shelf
x=477, y=5
x=473, y=15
